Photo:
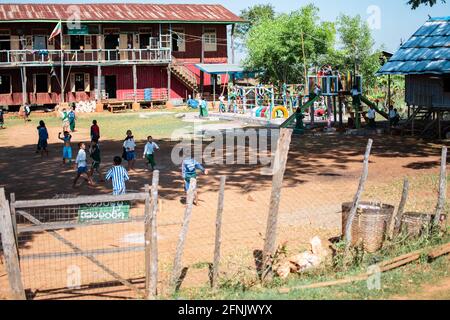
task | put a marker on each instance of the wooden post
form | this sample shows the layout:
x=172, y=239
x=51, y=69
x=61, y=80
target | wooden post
x=169, y=83
x=202, y=59
x=396, y=218
x=389, y=91
x=341, y=120
x=439, y=115
x=12, y=198
x=218, y=240
x=334, y=111
x=442, y=188
x=182, y=237
x=23, y=73
x=99, y=82
x=362, y=181
x=232, y=43
x=153, y=285
x=134, y=82
x=279, y=167
x=10, y=249
x=147, y=236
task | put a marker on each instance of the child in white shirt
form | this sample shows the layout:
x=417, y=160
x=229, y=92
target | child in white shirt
x=149, y=151
x=129, y=145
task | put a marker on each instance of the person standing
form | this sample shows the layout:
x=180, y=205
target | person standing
x=2, y=120
x=81, y=164
x=72, y=117
x=67, y=148
x=149, y=152
x=129, y=145
x=371, y=116
x=189, y=169
x=95, y=131
x=43, y=137
x=94, y=152
x=118, y=175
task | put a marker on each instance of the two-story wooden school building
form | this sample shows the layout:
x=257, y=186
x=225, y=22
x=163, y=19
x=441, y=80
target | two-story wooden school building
x=104, y=52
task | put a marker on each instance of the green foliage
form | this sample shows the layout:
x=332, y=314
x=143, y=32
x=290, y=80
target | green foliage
x=275, y=45
x=357, y=49
x=417, y=3
x=254, y=15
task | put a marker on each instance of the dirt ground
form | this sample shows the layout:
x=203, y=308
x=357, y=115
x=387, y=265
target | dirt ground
x=322, y=173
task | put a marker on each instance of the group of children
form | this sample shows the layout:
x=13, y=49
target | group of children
x=117, y=173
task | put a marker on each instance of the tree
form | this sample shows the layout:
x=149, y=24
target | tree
x=254, y=15
x=416, y=3
x=275, y=49
x=356, y=49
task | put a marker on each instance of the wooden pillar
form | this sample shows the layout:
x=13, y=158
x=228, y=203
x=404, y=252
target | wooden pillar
x=23, y=73
x=439, y=115
x=134, y=83
x=341, y=120
x=389, y=91
x=334, y=110
x=169, y=82
x=202, y=59
x=232, y=43
x=99, y=83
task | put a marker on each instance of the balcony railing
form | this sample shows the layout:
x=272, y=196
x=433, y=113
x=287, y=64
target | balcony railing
x=80, y=57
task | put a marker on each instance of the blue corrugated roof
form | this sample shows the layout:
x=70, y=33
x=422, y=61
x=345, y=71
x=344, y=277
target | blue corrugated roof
x=427, y=51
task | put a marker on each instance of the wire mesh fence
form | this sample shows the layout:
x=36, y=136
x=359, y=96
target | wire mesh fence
x=61, y=266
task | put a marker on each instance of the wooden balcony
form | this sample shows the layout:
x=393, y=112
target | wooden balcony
x=18, y=58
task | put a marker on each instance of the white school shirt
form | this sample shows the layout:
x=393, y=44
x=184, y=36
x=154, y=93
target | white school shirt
x=371, y=114
x=150, y=147
x=81, y=159
x=129, y=144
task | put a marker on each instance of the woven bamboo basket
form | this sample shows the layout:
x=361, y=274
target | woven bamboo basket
x=414, y=222
x=369, y=225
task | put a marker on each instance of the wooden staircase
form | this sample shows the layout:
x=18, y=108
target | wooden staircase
x=182, y=73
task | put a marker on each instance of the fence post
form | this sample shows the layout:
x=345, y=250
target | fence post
x=153, y=288
x=147, y=235
x=362, y=181
x=279, y=167
x=442, y=188
x=12, y=198
x=182, y=237
x=10, y=249
x=218, y=240
x=396, y=218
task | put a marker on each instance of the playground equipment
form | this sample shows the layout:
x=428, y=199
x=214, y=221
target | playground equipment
x=260, y=100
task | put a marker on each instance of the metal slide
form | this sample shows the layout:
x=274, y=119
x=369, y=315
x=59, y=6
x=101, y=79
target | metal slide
x=374, y=105
x=291, y=119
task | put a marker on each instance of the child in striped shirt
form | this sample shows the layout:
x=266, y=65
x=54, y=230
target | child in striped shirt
x=118, y=175
x=149, y=151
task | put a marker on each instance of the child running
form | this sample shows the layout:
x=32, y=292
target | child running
x=94, y=152
x=129, y=145
x=81, y=163
x=67, y=148
x=189, y=169
x=149, y=151
x=43, y=137
x=118, y=174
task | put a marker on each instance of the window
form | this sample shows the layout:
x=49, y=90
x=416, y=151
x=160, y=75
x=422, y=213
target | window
x=41, y=83
x=79, y=81
x=39, y=42
x=447, y=84
x=5, y=84
x=210, y=40
x=178, y=40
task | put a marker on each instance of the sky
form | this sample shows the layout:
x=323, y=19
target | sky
x=391, y=20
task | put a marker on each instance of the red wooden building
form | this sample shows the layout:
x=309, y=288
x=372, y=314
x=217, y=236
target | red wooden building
x=131, y=52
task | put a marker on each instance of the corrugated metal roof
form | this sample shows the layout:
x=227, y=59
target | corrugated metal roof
x=427, y=51
x=219, y=68
x=118, y=12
